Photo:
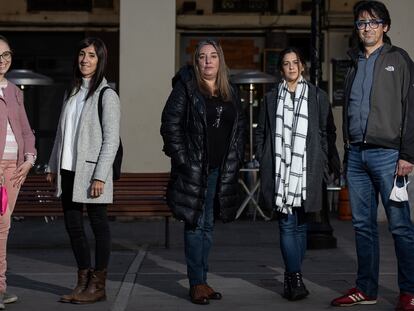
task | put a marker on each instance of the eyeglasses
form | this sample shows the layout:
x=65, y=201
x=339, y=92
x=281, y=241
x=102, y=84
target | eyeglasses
x=373, y=24
x=6, y=55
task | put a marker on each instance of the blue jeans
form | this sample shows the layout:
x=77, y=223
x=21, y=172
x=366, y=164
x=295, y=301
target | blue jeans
x=292, y=242
x=198, y=240
x=371, y=173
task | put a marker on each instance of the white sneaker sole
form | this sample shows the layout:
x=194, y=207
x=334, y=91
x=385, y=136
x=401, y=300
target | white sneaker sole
x=369, y=302
x=9, y=300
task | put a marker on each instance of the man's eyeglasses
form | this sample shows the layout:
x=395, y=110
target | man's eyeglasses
x=6, y=55
x=373, y=24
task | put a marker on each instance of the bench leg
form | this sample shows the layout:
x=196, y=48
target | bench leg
x=167, y=232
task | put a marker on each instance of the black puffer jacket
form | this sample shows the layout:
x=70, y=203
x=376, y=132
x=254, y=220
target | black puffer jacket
x=184, y=130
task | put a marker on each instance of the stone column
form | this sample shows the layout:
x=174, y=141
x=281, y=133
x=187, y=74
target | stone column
x=147, y=64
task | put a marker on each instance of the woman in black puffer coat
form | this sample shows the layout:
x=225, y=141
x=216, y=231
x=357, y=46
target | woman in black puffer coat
x=203, y=130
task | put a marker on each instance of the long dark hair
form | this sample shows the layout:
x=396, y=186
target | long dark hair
x=222, y=84
x=373, y=8
x=288, y=50
x=101, y=53
x=4, y=39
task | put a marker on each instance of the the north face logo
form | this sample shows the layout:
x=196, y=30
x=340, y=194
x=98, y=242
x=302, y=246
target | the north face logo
x=389, y=68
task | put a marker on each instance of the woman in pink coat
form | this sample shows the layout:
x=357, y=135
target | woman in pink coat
x=17, y=154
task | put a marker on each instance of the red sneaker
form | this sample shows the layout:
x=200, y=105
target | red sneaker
x=405, y=303
x=353, y=297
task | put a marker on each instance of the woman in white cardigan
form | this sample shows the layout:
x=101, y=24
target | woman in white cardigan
x=81, y=165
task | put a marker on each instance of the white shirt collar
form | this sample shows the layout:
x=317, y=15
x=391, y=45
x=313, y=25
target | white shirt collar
x=85, y=83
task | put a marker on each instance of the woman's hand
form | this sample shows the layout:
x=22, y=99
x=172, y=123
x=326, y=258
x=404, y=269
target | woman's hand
x=97, y=188
x=50, y=178
x=19, y=175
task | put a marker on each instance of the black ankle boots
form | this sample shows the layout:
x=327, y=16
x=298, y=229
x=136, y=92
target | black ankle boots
x=293, y=287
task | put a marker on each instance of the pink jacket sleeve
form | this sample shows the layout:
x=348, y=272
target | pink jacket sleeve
x=27, y=133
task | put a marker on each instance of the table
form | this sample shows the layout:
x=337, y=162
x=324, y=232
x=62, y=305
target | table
x=252, y=194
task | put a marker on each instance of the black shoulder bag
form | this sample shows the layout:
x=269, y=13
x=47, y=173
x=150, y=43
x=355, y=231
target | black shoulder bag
x=116, y=166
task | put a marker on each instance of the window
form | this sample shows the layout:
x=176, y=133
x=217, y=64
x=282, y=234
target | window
x=245, y=6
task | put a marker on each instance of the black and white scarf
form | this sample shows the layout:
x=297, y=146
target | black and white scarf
x=290, y=147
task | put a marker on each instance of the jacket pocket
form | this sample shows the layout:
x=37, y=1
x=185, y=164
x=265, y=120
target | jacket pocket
x=93, y=162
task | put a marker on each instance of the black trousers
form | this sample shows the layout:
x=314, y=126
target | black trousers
x=73, y=215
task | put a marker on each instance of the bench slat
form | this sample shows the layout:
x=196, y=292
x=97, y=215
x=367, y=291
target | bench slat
x=134, y=193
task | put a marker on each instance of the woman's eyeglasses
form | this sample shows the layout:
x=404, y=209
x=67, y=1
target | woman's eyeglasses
x=373, y=24
x=6, y=55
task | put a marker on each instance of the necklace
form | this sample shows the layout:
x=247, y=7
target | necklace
x=289, y=87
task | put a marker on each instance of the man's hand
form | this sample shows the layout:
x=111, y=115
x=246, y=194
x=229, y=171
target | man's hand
x=97, y=188
x=404, y=168
x=19, y=175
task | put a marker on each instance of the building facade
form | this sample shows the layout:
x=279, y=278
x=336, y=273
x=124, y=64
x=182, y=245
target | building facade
x=148, y=40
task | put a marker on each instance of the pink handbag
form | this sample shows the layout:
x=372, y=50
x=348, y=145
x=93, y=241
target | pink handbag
x=3, y=198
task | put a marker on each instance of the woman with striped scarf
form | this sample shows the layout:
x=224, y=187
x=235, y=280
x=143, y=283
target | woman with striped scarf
x=292, y=149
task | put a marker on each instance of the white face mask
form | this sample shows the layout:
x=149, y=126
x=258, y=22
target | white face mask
x=399, y=194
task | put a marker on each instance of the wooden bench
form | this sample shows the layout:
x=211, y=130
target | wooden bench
x=135, y=195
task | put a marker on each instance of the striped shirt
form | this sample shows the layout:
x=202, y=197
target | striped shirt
x=10, y=148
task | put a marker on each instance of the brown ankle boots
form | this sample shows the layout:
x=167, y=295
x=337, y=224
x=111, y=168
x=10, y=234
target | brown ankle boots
x=95, y=290
x=203, y=293
x=198, y=295
x=83, y=278
x=211, y=293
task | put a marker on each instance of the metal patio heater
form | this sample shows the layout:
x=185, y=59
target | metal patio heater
x=251, y=78
x=25, y=77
